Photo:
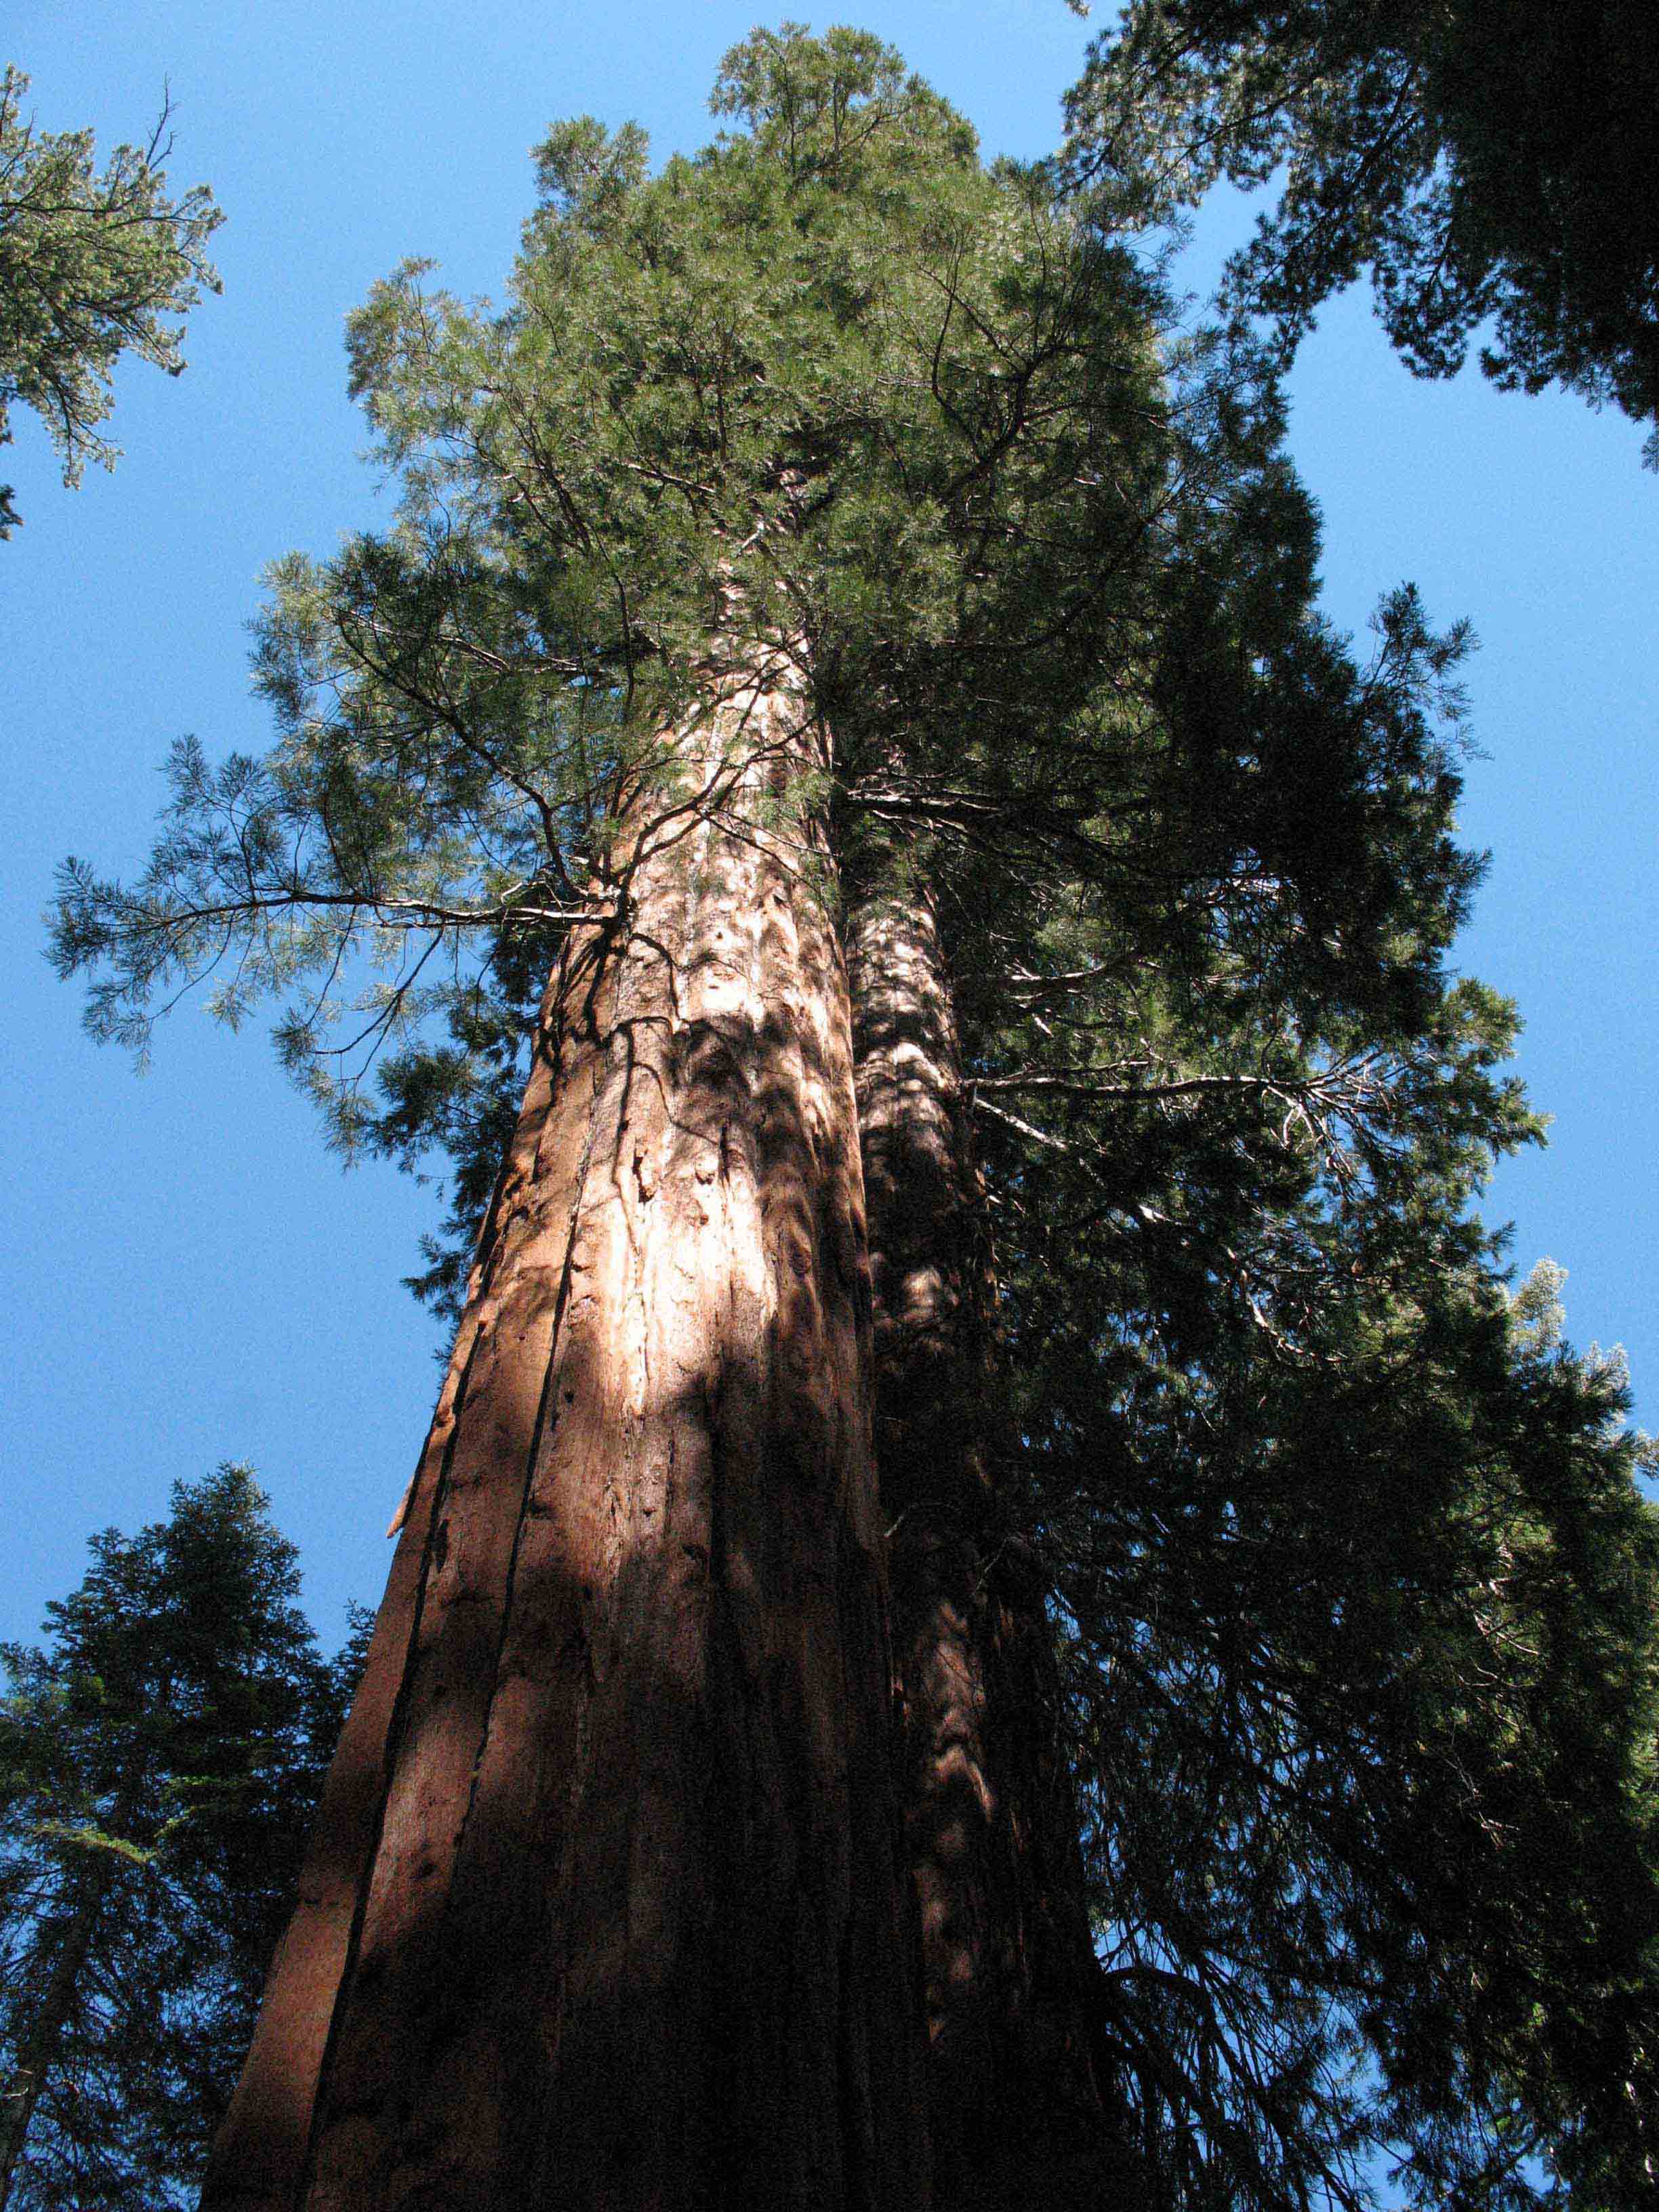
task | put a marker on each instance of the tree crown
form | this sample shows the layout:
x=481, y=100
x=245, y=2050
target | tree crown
x=91, y=266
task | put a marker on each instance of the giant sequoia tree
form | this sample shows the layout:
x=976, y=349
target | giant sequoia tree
x=833, y=792
x=768, y=435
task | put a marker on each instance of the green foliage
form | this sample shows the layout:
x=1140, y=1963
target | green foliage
x=1358, y=1605
x=91, y=266
x=1354, y=1590
x=158, y=1763
x=831, y=392
x=1354, y=1594
x=1363, y=1742
x=1492, y=158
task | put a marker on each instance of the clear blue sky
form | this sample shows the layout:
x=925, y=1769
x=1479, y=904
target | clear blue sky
x=194, y=1278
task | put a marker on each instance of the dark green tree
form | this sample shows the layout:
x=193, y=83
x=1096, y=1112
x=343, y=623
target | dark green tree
x=1355, y=1587
x=91, y=266
x=1390, y=1890
x=1359, y=1595
x=158, y=1763
x=1491, y=159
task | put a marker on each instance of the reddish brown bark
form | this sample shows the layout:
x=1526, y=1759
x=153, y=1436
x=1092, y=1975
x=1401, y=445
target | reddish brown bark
x=603, y=1909
x=1013, y=2076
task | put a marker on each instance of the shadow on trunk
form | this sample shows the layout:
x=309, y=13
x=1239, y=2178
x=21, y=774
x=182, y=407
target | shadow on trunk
x=603, y=1910
x=1017, y=2079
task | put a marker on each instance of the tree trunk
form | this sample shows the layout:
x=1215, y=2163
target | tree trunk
x=1015, y=2078
x=57, y=2007
x=95, y=1871
x=605, y=1909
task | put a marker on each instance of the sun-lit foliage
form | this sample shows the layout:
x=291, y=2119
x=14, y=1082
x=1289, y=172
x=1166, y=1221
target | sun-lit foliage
x=91, y=266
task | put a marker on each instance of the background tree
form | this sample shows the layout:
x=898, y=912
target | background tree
x=1257, y=1334
x=1348, y=1586
x=91, y=266
x=1020, y=2087
x=1490, y=159
x=158, y=1763
x=1233, y=1111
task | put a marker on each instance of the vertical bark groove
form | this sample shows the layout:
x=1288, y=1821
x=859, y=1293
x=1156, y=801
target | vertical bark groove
x=603, y=1910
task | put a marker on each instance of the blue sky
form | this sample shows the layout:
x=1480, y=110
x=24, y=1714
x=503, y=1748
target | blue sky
x=194, y=1277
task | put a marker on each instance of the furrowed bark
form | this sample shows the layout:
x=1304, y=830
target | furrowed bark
x=604, y=1908
x=1015, y=2078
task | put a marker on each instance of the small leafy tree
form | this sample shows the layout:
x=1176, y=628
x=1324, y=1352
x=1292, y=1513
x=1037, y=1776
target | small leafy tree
x=158, y=1766
x=91, y=266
